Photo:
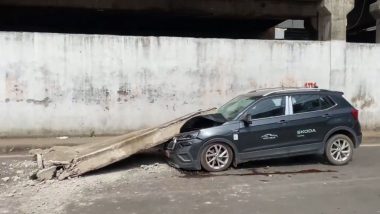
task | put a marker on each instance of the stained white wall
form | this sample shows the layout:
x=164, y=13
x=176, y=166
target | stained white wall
x=61, y=84
x=362, y=82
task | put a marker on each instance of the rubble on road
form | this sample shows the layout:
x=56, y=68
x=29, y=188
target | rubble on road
x=5, y=179
x=16, y=170
x=15, y=178
x=151, y=168
x=46, y=173
x=45, y=196
x=66, y=162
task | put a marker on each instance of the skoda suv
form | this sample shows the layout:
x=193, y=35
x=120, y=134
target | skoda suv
x=265, y=124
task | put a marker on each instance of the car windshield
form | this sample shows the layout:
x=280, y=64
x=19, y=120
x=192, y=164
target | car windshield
x=231, y=109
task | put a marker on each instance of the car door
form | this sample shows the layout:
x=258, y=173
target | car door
x=307, y=123
x=265, y=135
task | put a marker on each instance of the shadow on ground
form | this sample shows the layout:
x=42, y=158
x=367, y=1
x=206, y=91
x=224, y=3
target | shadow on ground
x=147, y=157
x=156, y=155
x=291, y=161
x=268, y=168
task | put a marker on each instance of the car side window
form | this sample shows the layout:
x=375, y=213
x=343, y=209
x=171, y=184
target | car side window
x=305, y=103
x=326, y=102
x=308, y=103
x=270, y=107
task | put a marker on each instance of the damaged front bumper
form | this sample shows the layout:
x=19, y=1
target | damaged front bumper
x=183, y=153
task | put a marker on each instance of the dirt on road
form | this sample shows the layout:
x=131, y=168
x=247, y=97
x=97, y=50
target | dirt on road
x=21, y=194
x=145, y=184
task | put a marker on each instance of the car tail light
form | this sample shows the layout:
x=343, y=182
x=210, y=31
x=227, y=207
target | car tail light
x=355, y=114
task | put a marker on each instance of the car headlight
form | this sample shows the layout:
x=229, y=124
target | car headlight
x=188, y=135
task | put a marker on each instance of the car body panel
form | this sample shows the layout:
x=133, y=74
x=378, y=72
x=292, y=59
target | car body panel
x=271, y=137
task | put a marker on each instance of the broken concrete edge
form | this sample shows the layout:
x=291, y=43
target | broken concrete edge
x=46, y=173
x=76, y=169
x=135, y=143
x=62, y=169
x=46, y=170
x=40, y=163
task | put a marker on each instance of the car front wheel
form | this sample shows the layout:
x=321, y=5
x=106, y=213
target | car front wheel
x=216, y=157
x=339, y=149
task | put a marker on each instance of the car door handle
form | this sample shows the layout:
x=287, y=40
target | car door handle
x=326, y=116
x=282, y=121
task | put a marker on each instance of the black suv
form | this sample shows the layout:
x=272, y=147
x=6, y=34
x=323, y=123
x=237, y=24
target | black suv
x=269, y=123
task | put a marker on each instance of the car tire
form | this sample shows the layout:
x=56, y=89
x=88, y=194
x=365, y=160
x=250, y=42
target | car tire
x=339, y=149
x=216, y=157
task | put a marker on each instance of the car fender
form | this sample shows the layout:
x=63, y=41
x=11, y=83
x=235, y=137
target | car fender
x=338, y=128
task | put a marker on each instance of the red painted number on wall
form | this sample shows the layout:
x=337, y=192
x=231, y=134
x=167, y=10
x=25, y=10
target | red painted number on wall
x=311, y=85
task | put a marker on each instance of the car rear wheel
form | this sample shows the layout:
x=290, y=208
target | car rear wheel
x=216, y=157
x=339, y=149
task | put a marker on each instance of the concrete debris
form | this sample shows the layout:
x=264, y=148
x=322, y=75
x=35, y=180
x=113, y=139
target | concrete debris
x=20, y=172
x=33, y=174
x=50, y=181
x=30, y=183
x=46, y=174
x=146, y=167
x=56, y=163
x=39, y=161
x=77, y=160
x=29, y=164
x=149, y=167
x=51, y=196
x=62, y=138
x=15, y=178
x=5, y=179
x=59, y=172
x=26, y=184
x=3, y=163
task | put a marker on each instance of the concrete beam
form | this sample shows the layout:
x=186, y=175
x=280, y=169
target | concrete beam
x=375, y=11
x=243, y=9
x=332, y=19
x=77, y=160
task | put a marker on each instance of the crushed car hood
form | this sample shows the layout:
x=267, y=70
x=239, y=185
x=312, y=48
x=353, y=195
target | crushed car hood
x=203, y=121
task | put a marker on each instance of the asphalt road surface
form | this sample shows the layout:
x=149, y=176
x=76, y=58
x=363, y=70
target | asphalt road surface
x=294, y=185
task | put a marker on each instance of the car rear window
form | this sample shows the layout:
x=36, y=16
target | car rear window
x=326, y=102
x=310, y=102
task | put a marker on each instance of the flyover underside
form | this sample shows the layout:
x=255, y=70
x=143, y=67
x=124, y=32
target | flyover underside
x=212, y=8
x=118, y=22
x=249, y=19
x=245, y=19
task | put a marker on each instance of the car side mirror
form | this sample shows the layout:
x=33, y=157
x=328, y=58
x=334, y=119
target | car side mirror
x=247, y=119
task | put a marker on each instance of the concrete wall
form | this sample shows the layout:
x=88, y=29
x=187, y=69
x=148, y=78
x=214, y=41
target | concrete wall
x=362, y=81
x=55, y=84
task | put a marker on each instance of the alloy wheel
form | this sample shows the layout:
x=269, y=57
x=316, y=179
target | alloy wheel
x=340, y=150
x=217, y=156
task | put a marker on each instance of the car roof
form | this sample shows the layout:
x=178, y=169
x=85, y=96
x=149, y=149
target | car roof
x=287, y=91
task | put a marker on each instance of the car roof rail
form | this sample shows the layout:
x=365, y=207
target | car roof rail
x=302, y=89
x=274, y=88
x=284, y=89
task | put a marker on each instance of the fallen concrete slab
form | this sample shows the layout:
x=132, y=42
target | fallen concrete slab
x=77, y=160
x=46, y=174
